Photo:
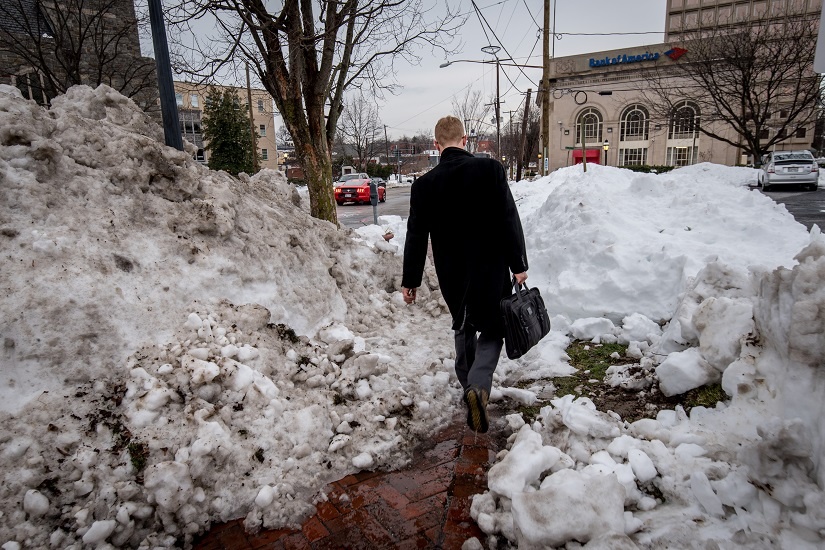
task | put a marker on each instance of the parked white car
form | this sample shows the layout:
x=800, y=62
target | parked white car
x=789, y=168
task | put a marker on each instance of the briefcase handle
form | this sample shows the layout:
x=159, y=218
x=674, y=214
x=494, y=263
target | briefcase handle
x=517, y=288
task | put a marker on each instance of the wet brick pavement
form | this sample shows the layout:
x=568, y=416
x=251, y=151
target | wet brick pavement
x=426, y=505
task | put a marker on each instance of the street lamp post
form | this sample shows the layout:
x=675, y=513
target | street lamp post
x=493, y=50
x=606, y=147
x=166, y=87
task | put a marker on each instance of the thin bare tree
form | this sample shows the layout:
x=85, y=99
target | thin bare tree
x=359, y=128
x=53, y=45
x=307, y=54
x=748, y=86
x=473, y=110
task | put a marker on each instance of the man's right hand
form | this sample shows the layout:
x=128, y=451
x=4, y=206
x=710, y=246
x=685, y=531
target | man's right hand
x=409, y=295
x=520, y=277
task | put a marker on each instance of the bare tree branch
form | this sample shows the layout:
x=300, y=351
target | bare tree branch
x=307, y=54
x=754, y=85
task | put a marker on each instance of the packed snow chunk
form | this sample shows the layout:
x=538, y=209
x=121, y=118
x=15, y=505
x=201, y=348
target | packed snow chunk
x=247, y=353
x=11, y=545
x=642, y=466
x=35, y=503
x=363, y=390
x=683, y=371
x=266, y=495
x=202, y=371
x=523, y=465
x=591, y=327
x=335, y=333
x=169, y=484
x=99, y=531
x=570, y=505
x=363, y=461
x=521, y=395
x=702, y=490
x=581, y=416
x=194, y=322
x=723, y=324
x=639, y=328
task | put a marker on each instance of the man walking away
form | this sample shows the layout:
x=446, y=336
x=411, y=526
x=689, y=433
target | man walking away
x=465, y=207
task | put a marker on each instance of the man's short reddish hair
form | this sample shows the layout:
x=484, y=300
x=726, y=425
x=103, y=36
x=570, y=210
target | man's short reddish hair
x=449, y=130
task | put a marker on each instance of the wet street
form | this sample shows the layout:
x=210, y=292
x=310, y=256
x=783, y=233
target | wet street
x=807, y=207
x=397, y=203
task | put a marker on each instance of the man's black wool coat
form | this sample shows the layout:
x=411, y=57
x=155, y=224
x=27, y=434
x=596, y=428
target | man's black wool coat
x=465, y=207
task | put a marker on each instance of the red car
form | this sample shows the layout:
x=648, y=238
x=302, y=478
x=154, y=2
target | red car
x=356, y=188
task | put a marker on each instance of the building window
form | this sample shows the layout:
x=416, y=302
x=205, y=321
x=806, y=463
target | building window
x=764, y=133
x=32, y=85
x=260, y=105
x=193, y=99
x=262, y=130
x=591, y=120
x=800, y=133
x=200, y=156
x=634, y=124
x=684, y=123
x=264, y=154
x=783, y=113
x=633, y=157
x=179, y=99
x=681, y=156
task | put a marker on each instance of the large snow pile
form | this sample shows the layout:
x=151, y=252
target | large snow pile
x=182, y=347
x=152, y=376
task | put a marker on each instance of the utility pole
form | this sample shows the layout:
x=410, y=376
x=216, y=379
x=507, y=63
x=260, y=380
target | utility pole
x=251, y=121
x=386, y=144
x=498, y=112
x=523, y=135
x=545, y=87
x=166, y=87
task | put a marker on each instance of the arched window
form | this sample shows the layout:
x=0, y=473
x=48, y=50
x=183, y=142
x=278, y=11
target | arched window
x=591, y=120
x=684, y=122
x=634, y=123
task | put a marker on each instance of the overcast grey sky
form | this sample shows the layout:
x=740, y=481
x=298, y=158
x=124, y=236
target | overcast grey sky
x=425, y=91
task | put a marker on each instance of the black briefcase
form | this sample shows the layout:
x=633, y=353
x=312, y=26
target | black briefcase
x=525, y=320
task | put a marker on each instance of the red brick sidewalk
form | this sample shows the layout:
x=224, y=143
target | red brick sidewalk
x=426, y=505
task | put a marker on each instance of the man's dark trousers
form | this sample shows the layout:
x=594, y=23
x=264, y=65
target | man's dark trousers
x=476, y=358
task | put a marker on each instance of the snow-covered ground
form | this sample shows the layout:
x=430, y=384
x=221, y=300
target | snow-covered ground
x=181, y=347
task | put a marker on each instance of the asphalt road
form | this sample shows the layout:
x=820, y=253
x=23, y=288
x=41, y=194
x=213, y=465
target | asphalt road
x=397, y=203
x=807, y=207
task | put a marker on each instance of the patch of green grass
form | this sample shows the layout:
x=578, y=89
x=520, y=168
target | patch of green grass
x=591, y=362
x=706, y=396
x=529, y=412
x=595, y=358
x=138, y=454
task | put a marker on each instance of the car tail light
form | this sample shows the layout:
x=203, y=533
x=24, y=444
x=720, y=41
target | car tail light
x=770, y=169
x=814, y=167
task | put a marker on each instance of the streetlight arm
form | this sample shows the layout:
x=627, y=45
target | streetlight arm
x=448, y=63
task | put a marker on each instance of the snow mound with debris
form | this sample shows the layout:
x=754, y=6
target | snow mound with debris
x=181, y=346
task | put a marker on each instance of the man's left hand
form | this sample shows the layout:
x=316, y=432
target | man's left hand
x=520, y=277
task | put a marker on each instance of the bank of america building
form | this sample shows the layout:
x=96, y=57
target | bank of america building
x=601, y=95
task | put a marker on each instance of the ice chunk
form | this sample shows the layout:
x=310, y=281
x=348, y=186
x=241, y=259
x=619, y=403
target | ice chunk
x=683, y=371
x=569, y=506
x=642, y=466
x=700, y=486
x=35, y=503
x=527, y=459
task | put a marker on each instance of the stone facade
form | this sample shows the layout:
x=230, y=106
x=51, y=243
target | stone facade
x=28, y=27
